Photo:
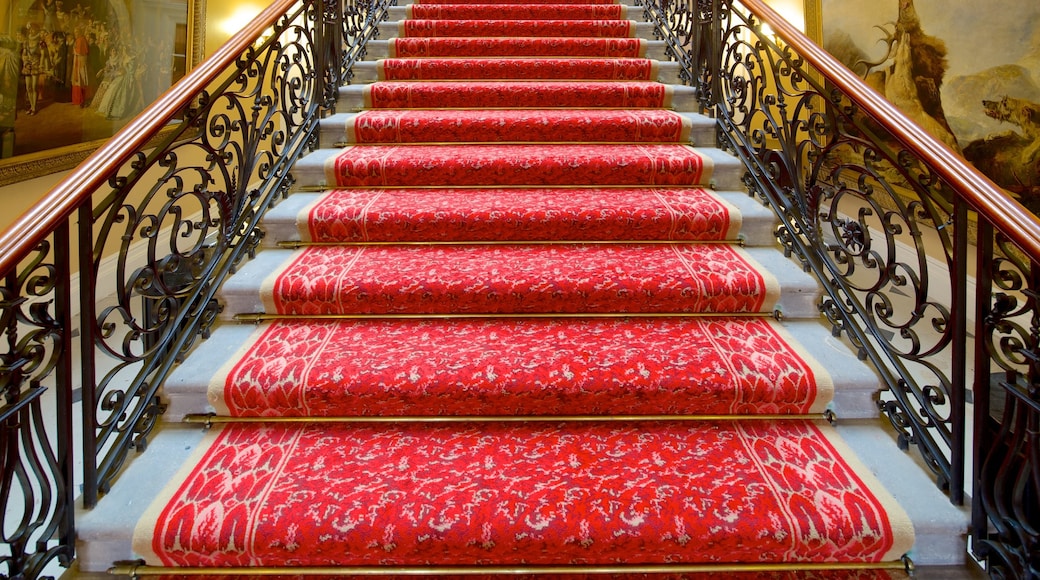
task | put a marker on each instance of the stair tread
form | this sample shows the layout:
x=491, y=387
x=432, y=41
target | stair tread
x=506, y=367
x=532, y=278
x=578, y=214
x=488, y=280
x=513, y=94
x=419, y=494
x=200, y=388
x=586, y=28
x=516, y=125
x=509, y=68
x=526, y=165
x=516, y=46
x=438, y=215
x=523, y=165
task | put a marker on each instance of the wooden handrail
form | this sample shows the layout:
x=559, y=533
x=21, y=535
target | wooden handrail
x=991, y=202
x=60, y=202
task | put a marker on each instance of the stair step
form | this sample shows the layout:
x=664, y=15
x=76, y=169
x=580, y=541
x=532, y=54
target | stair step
x=535, y=215
x=584, y=2
x=427, y=371
x=200, y=388
x=518, y=486
x=516, y=126
x=523, y=28
x=518, y=95
x=474, y=215
x=524, y=279
x=523, y=494
x=104, y=533
x=552, y=69
x=531, y=279
x=512, y=11
x=491, y=165
x=517, y=47
x=637, y=366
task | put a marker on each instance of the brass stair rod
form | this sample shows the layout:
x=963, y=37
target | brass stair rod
x=292, y=245
x=211, y=419
x=135, y=569
x=258, y=317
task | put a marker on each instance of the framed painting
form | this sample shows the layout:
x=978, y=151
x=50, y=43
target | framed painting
x=74, y=72
x=972, y=75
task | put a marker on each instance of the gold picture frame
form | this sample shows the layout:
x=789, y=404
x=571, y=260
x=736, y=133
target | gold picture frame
x=84, y=57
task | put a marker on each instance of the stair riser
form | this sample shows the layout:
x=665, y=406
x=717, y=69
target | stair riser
x=582, y=214
x=522, y=495
x=655, y=49
x=188, y=390
x=502, y=368
x=520, y=166
x=340, y=130
x=480, y=215
x=447, y=28
x=507, y=280
x=501, y=69
x=680, y=98
x=519, y=126
x=520, y=279
x=536, y=165
x=517, y=12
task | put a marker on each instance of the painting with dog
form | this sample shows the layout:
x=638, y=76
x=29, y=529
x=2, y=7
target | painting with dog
x=968, y=74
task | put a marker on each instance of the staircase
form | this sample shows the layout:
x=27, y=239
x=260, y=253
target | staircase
x=520, y=317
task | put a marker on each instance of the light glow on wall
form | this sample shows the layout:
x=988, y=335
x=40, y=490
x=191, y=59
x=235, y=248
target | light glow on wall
x=237, y=20
x=792, y=11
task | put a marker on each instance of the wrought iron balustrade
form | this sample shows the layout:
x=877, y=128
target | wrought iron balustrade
x=928, y=269
x=129, y=251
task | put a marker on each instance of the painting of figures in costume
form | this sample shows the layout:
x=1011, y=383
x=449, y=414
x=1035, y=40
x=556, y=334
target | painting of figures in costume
x=74, y=72
x=968, y=73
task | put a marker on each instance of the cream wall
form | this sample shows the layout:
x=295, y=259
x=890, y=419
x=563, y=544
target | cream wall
x=17, y=198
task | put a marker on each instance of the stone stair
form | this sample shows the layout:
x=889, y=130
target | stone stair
x=106, y=533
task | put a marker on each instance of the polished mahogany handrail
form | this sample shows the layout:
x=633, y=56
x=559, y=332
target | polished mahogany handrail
x=994, y=205
x=58, y=204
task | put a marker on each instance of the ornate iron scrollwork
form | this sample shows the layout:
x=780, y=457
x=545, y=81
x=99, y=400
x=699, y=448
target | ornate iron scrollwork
x=181, y=216
x=35, y=454
x=858, y=210
x=1007, y=505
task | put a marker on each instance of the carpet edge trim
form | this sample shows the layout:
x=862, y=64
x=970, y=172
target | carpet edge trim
x=304, y=218
x=269, y=298
x=216, y=389
x=144, y=533
x=899, y=522
x=822, y=379
x=773, y=292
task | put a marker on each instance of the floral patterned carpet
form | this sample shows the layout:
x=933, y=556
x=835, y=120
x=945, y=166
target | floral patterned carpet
x=518, y=229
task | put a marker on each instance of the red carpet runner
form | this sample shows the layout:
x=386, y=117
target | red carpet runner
x=487, y=165
x=530, y=279
x=490, y=367
x=484, y=215
x=544, y=212
x=608, y=126
x=536, y=494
